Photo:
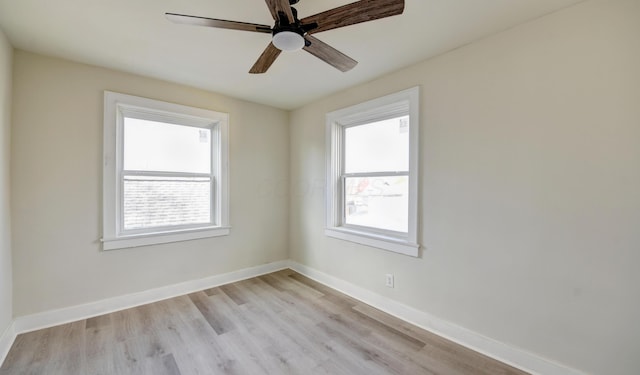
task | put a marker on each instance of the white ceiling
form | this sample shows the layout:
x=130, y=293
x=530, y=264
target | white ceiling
x=134, y=36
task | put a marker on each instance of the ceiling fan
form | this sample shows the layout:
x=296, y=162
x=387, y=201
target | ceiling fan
x=290, y=33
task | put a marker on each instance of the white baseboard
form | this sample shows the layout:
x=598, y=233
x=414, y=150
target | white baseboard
x=6, y=340
x=74, y=313
x=513, y=356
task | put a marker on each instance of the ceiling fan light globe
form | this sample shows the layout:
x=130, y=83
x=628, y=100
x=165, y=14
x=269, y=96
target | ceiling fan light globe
x=288, y=41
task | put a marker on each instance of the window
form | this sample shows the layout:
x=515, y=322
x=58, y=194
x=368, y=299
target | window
x=165, y=172
x=372, y=179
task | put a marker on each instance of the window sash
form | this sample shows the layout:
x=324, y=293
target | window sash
x=342, y=192
x=376, y=174
x=349, y=157
x=157, y=151
x=165, y=228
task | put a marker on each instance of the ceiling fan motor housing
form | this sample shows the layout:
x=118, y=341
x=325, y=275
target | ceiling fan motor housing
x=289, y=36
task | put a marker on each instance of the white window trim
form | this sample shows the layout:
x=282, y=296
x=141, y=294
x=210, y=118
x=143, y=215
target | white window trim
x=115, y=105
x=388, y=106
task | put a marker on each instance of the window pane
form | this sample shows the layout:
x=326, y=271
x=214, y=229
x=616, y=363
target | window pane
x=160, y=201
x=378, y=202
x=381, y=146
x=158, y=146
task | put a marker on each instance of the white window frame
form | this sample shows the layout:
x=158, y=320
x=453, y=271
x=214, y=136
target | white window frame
x=118, y=106
x=395, y=105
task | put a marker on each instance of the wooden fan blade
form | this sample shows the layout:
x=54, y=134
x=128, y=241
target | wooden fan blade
x=265, y=60
x=272, y=8
x=351, y=14
x=330, y=55
x=221, y=24
x=280, y=6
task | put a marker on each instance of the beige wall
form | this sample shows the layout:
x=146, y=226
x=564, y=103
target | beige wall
x=56, y=180
x=6, y=289
x=530, y=188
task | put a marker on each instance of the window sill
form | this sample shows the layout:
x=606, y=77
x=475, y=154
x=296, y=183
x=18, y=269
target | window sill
x=381, y=242
x=160, y=238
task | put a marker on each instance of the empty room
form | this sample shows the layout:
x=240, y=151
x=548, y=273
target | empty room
x=440, y=187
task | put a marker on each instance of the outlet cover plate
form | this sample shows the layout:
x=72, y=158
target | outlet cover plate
x=389, y=280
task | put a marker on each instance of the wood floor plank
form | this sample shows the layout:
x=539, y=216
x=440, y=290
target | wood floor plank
x=219, y=322
x=273, y=282
x=328, y=293
x=192, y=340
x=25, y=353
x=69, y=344
x=289, y=349
x=280, y=323
x=166, y=365
x=211, y=291
x=233, y=293
x=395, y=323
x=246, y=356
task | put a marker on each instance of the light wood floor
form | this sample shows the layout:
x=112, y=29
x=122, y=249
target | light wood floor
x=282, y=323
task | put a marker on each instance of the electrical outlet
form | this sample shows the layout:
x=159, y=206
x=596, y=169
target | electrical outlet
x=389, y=280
